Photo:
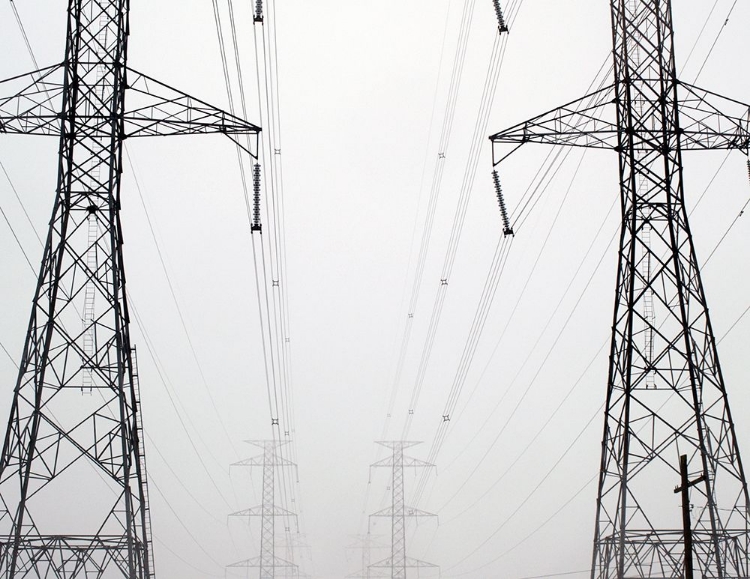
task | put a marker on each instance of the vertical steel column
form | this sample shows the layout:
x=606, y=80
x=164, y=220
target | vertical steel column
x=267, y=556
x=398, y=522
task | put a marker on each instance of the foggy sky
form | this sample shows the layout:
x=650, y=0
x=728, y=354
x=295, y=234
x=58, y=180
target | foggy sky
x=362, y=97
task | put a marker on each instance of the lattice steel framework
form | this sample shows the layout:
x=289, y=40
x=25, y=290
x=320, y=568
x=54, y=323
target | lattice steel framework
x=365, y=544
x=666, y=394
x=269, y=461
x=73, y=494
x=397, y=564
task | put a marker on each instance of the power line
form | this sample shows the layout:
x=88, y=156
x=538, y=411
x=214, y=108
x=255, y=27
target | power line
x=467, y=184
x=445, y=134
x=182, y=523
x=23, y=34
x=185, y=561
x=21, y=203
x=537, y=372
x=532, y=492
x=716, y=40
x=176, y=303
x=155, y=359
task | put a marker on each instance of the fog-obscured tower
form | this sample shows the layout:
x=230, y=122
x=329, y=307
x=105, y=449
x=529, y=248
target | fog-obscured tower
x=398, y=512
x=269, y=565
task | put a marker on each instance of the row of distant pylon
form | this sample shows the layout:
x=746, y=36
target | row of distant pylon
x=270, y=565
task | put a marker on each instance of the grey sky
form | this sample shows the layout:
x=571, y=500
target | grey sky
x=358, y=82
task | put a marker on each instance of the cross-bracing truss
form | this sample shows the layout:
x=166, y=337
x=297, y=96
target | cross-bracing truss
x=665, y=392
x=73, y=493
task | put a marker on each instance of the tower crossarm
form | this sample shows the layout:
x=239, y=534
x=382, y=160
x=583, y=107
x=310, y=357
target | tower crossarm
x=256, y=562
x=408, y=462
x=161, y=110
x=410, y=562
x=585, y=122
x=711, y=121
x=258, y=461
x=706, y=121
x=155, y=109
x=254, y=461
x=408, y=512
x=260, y=511
x=31, y=105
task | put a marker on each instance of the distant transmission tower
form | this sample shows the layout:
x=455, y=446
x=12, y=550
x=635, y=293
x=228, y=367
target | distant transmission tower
x=268, y=562
x=73, y=496
x=365, y=544
x=398, y=512
x=665, y=394
x=295, y=548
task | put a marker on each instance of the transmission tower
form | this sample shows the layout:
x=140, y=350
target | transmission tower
x=365, y=543
x=269, y=461
x=296, y=548
x=665, y=391
x=73, y=496
x=398, y=512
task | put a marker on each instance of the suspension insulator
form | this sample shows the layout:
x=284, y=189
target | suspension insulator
x=501, y=25
x=748, y=168
x=256, y=226
x=507, y=229
x=258, y=11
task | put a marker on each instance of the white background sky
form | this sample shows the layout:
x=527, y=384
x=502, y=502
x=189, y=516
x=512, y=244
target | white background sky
x=359, y=80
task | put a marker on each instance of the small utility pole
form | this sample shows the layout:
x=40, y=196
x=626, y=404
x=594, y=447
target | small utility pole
x=687, y=530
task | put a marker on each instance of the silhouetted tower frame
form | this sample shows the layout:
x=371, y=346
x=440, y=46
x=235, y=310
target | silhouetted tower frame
x=666, y=394
x=398, y=512
x=269, y=461
x=75, y=416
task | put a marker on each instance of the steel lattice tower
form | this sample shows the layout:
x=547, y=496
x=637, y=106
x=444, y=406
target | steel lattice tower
x=73, y=494
x=398, y=512
x=269, y=461
x=665, y=393
x=365, y=544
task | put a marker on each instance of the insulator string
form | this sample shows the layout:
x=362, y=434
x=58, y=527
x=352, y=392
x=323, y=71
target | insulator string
x=501, y=24
x=507, y=229
x=256, y=226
